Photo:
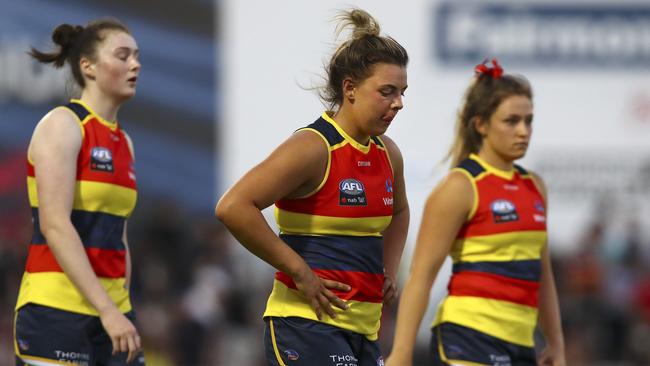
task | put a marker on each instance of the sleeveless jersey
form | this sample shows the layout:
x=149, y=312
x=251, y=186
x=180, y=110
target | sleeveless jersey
x=104, y=196
x=337, y=230
x=496, y=255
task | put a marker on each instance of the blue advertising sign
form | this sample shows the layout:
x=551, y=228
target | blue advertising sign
x=542, y=34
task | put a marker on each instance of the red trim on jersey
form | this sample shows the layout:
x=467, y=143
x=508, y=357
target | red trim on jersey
x=100, y=135
x=371, y=169
x=521, y=192
x=366, y=287
x=106, y=263
x=492, y=286
x=30, y=170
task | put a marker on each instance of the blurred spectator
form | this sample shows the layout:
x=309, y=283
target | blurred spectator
x=605, y=295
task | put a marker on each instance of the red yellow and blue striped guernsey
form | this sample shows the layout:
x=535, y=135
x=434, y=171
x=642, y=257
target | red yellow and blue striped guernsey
x=337, y=230
x=104, y=196
x=496, y=256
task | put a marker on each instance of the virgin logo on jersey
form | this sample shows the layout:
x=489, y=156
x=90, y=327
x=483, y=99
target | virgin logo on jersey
x=389, y=186
x=132, y=172
x=539, y=218
x=352, y=193
x=101, y=159
x=503, y=211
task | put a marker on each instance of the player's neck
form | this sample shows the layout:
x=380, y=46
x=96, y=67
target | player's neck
x=101, y=105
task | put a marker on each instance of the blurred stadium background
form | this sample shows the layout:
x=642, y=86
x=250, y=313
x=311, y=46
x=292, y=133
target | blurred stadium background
x=223, y=82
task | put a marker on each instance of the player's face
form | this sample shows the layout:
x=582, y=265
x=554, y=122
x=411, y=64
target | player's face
x=508, y=132
x=379, y=97
x=117, y=65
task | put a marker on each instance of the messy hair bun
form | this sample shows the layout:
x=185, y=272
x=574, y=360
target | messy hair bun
x=75, y=42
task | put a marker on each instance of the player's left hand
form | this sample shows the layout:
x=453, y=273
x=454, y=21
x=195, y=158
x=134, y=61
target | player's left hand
x=551, y=356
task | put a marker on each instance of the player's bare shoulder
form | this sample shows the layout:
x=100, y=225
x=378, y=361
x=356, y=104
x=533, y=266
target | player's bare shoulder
x=59, y=127
x=59, y=119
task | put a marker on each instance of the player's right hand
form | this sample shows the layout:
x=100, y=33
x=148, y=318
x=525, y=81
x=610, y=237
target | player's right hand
x=316, y=292
x=120, y=329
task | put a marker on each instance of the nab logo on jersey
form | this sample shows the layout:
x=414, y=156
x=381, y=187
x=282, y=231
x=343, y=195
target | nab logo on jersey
x=352, y=193
x=503, y=211
x=101, y=159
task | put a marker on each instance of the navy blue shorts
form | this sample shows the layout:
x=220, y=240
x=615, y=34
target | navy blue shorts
x=453, y=344
x=48, y=336
x=296, y=341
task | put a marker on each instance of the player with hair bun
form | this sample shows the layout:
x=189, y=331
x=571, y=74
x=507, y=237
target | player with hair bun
x=73, y=306
x=341, y=207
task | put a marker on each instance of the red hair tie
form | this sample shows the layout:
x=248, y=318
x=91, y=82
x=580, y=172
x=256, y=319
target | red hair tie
x=495, y=71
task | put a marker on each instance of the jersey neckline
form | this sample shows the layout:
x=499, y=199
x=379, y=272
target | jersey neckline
x=357, y=145
x=110, y=124
x=505, y=174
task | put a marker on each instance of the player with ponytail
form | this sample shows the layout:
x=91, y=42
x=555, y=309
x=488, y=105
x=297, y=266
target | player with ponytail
x=340, y=204
x=489, y=216
x=73, y=306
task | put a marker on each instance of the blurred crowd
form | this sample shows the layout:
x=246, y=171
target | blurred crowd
x=199, y=297
x=604, y=292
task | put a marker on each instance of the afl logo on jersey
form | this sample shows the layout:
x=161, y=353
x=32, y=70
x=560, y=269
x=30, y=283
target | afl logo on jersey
x=503, y=211
x=101, y=159
x=352, y=193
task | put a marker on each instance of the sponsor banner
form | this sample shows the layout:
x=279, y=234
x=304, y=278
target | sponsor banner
x=543, y=34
